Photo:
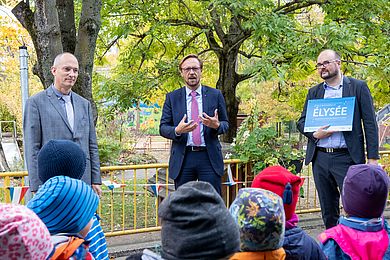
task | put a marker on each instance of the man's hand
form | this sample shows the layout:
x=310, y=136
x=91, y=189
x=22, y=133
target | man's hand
x=322, y=132
x=184, y=127
x=209, y=121
x=373, y=161
x=97, y=189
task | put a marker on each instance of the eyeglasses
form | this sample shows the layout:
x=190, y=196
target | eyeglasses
x=325, y=64
x=195, y=69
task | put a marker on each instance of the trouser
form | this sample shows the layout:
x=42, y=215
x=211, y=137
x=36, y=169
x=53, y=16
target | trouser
x=329, y=170
x=197, y=166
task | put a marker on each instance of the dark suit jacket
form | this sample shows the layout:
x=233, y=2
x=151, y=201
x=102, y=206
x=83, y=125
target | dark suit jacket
x=364, y=113
x=44, y=119
x=173, y=111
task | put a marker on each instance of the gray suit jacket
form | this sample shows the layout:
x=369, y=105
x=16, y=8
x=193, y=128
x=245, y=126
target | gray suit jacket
x=45, y=119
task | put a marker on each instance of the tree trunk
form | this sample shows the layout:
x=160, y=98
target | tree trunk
x=227, y=83
x=89, y=27
x=52, y=29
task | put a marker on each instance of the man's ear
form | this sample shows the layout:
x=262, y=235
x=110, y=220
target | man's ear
x=53, y=70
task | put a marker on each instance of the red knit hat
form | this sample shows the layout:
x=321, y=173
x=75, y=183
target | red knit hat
x=282, y=182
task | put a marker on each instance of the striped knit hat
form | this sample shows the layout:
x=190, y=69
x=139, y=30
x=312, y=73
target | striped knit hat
x=64, y=204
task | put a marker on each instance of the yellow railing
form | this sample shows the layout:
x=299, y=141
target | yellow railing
x=133, y=206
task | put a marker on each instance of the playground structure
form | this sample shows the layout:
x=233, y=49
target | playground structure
x=10, y=156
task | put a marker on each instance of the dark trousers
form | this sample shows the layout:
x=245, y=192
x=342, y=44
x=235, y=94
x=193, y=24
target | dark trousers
x=197, y=166
x=329, y=170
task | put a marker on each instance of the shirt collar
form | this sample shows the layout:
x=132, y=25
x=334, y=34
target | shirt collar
x=198, y=90
x=337, y=87
x=59, y=94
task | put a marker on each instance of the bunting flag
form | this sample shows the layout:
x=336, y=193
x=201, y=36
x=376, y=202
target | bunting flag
x=17, y=193
x=231, y=181
x=155, y=189
x=113, y=185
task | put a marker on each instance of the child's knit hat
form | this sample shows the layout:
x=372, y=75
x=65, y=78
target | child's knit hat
x=61, y=157
x=279, y=180
x=195, y=224
x=260, y=216
x=64, y=204
x=365, y=191
x=22, y=234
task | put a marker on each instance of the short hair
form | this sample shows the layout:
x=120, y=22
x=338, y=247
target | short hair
x=59, y=56
x=191, y=56
x=337, y=55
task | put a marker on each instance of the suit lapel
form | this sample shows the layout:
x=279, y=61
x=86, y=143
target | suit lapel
x=53, y=99
x=77, y=111
x=182, y=101
x=205, y=103
x=347, y=90
x=321, y=91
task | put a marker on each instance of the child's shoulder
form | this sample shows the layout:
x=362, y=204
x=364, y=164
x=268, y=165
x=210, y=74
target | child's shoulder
x=69, y=246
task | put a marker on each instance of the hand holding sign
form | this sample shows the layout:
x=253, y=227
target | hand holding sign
x=322, y=132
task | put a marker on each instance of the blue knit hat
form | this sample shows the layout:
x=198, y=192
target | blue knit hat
x=64, y=204
x=260, y=215
x=61, y=157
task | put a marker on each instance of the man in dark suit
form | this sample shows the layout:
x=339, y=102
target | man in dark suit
x=59, y=113
x=193, y=117
x=331, y=152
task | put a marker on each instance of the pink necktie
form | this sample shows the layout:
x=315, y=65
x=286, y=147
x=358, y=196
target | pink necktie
x=195, y=117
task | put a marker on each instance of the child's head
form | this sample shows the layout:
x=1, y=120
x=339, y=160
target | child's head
x=22, y=234
x=61, y=157
x=195, y=224
x=65, y=205
x=260, y=216
x=279, y=180
x=365, y=191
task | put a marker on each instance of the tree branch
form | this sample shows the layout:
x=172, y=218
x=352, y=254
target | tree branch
x=297, y=4
x=187, y=44
x=25, y=16
x=179, y=22
x=217, y=24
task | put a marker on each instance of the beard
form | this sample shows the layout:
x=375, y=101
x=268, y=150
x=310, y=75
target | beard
x=192, y=82
x=325, y=75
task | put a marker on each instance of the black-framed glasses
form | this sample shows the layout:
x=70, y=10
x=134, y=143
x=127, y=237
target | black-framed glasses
x=195, y=69
x=325, y=64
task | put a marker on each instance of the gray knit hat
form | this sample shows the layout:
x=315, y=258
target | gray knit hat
x=61, y=157
x=196, y=224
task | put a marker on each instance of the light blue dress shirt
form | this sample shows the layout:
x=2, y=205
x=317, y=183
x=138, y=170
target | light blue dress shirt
x=336, y=140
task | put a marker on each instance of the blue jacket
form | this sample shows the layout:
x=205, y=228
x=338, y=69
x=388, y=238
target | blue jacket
x=173, y=111
x=299, y=245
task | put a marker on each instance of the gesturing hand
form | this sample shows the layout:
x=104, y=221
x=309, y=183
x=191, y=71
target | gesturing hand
x=184, y=127
x=209, y=121
x=322, y=132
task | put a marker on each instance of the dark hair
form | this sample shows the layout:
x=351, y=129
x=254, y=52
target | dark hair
x=191, y=56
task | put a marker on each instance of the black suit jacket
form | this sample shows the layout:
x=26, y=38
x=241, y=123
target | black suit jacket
x=363, y=113
x=173, y=111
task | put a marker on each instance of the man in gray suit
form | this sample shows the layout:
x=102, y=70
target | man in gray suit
x=59, y=113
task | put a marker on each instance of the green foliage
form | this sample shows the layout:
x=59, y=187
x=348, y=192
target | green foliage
x=109, y=150
x=262, y=146
x=282, y=40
